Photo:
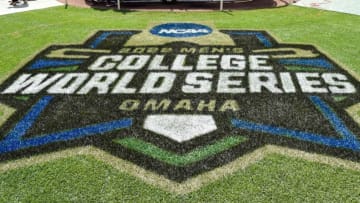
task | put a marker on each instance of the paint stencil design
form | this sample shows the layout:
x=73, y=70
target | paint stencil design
x=184, y=106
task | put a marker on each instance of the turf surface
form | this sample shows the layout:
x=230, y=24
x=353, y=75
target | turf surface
x=22, y=35
x=180, y=160
x=276, y=178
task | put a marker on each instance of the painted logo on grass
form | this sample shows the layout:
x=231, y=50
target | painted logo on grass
x=179, y=30
x=180, y=108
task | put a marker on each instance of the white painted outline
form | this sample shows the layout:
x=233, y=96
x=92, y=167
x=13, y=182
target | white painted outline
x=190, y=185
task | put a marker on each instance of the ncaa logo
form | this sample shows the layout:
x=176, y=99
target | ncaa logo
x=181, y=30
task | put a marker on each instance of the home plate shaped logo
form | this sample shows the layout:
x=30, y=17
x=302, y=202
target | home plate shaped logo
x=180, y=99
x=187, y=126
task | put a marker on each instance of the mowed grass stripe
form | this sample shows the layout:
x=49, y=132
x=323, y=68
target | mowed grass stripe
x=302, y=68
x=339, y=98
x=65, y=69
x=176, y=159
x=22, y=98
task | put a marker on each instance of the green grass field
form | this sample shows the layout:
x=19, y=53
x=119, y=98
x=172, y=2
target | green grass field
x=276, y=178
x=84, y=179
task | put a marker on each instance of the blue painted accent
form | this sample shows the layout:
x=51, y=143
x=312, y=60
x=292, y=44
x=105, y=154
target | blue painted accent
x=28, y=120
x=261, y=37
x=329, y=141
x=47, y=63
x=319, y=62
x=105, y=35
x=335, y=121
x=13, y=145
x=13, y=141
x=181, y=30
x=348, y=141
